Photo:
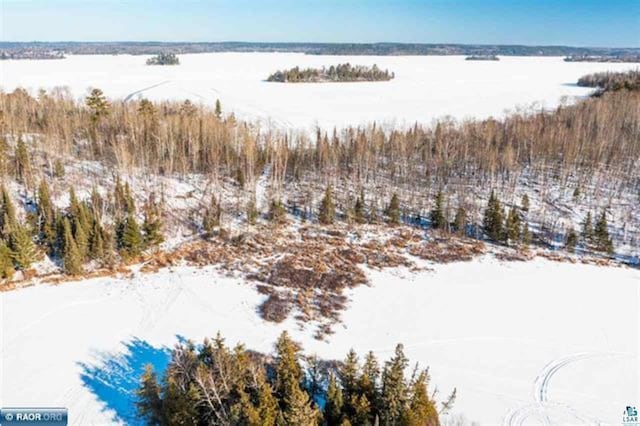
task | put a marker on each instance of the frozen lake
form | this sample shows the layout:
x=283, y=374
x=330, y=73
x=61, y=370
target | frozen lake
x=425, y=87
x=525, y=343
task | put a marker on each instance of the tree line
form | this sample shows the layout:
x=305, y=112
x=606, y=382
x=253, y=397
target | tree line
x=213, y=384
x=594, y=142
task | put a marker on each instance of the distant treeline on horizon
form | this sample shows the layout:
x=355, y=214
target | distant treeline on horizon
x=152, y=47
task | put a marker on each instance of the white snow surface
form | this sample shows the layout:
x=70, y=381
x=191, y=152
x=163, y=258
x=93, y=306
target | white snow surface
x=425, y=87
x=533, y=342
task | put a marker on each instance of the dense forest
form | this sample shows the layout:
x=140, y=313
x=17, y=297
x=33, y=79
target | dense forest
x=612, y=81
x=213, y=384
x=480, y=178
x=164, y=59
x=335, y=73
x=385, y=49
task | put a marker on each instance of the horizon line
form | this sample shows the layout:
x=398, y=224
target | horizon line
x=319, y=43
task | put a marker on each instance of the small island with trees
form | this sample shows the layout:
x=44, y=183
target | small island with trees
x=164, y=59
x=335, y=73
x=482, y=58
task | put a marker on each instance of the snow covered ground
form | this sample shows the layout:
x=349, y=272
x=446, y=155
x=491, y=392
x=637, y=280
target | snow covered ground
x=525, y=343
x=425, y=87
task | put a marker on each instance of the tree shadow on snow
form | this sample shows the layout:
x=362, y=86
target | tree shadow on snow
x=115, y=377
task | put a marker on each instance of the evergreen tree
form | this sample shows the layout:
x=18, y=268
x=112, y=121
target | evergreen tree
x=218, y=110
x=96, y=240
x=394, y=389
x=327, y=208
x=333, y=409
x=437, y=216
x=373, y=213
x=601, y=234
x=6, y=262
x=394, y=210
x=130, y=239
x=493, y=219
x=513, y=226
x=152, y=225
x=358, y=209
x=98, y=105
x=81, y=239
x=22, y=164
x=460, y=221
x=72, y=258
x=421, y=411
x=571, y=240
x=149, y=402
x=22, y=247
x=46, y=215
x=348, y=374
x=368, y=384
x=7, y=214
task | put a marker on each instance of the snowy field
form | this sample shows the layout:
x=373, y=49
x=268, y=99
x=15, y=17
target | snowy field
x=525, y=343
x=425, y=87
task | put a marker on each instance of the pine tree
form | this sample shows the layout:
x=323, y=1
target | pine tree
x=373, y=213
x=149, y=403
x=460, y=221
x=327, y=208
x=571, y=240
x=493, y=219
x=22, y=164
x=7, y=214
x=96, y=240
x=72, y=258
x=6, y=262
x=22, y=247
x=130, y=238
x=81, y=239
x=98, y=105
x=46, y=215
x=437, y=217
x=218, y=110
x=394, y=388
x=348, y=374
x=513, y=226
x=601, y=234
x=368, y=383
x=358, y=209
x=394, y=210
x=333, y=409
x=152, y=225
x=422, y=411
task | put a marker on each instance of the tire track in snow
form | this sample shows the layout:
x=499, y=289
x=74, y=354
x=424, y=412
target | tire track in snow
x=541, y=407
x=137, y=92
